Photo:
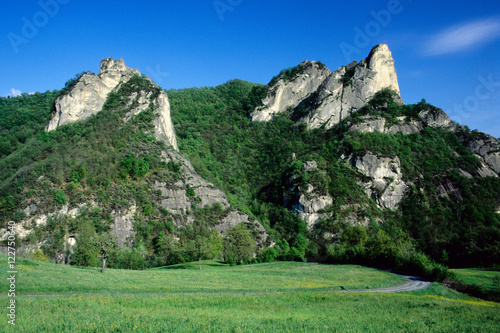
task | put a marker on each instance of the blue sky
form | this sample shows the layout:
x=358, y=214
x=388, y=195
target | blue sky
x=445, y=51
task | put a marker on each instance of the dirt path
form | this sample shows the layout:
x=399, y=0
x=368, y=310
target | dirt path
x=413, y=283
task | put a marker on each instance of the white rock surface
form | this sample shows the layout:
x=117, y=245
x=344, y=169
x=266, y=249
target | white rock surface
x=385, y=183
x=285, y=93
x=328, y=100
x=88, y=95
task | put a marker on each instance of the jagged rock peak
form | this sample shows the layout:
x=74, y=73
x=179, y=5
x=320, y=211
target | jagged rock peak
x=381, y=61
x=108, y=64
x=89, y=93
x=328, y=98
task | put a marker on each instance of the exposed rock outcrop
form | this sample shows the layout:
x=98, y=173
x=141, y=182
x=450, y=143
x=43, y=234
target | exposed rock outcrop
x=235, y=218
x=88, y=94
x=310, y=206
x=436, y=118
x=372, y=124
x=123, y=225
x=288, y=92
x=175, y=197
x=341, y=92
x=485, y=146
x=384, y=181
x=307, y=201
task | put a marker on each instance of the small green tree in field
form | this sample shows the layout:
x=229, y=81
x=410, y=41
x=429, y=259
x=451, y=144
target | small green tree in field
x=39, y=256
x=238, y=245
x=106, y=245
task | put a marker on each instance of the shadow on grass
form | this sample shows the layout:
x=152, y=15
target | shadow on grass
x=194, y=265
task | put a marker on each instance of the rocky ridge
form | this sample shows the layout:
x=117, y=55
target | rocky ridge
x=88, y=94
x=330, y=96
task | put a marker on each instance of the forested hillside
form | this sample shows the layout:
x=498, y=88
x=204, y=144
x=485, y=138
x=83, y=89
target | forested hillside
x=253, y=163
x=446, y=211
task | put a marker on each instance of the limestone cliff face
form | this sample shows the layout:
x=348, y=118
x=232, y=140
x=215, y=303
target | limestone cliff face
x=371, y=124
x=338, y=94
x=384, y=178
x=88, y=94
x=487, y=149
x=288, y=92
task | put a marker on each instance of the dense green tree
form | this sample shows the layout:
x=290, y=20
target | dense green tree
x=85, y=252
x=238, y=245
x=200, y=241
x=106, y=245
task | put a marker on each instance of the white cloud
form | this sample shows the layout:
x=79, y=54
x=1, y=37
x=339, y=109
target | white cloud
x=464, y=36
x=14, y=92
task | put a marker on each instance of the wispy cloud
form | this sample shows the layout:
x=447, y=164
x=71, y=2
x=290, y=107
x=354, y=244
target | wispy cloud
x=464, y=36
x=14, y=92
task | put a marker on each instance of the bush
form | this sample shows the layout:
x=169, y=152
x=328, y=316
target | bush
x=131, y=259
x=268, y=255
x=38, y=255
x=60, y=197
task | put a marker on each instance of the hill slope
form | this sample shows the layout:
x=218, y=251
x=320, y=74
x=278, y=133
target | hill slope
x=362, y=178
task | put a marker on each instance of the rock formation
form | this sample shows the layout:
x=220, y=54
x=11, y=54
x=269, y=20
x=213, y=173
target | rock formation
x=372, y=124
x=286, y=91
x=337, y=95
x=486, y=147
x=307, y=202
x=88, y=94
x=384, y=178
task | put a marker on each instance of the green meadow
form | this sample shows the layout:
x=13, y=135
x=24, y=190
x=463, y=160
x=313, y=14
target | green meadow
x=277, y=297
x=478, y=282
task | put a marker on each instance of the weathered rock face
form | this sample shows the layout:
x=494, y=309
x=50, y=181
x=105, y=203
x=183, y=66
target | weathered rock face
x=175, y=199
x=307, y=201
x=487, y=149
x=372, y=124
x=87, y=96
x=123, y=225
x=385, y=181
x=436, y=118
x=286, y=92
x=341, y=92
x=310, y=206
x=234, y=218
x=89, y=93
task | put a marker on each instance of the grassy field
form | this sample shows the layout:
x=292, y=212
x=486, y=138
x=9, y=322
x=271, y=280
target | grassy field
x=478, y=277
x=478, y=282
x=43, y=278
x=279, y=297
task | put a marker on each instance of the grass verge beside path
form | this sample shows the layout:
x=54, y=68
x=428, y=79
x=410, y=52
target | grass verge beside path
x=477, y=282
